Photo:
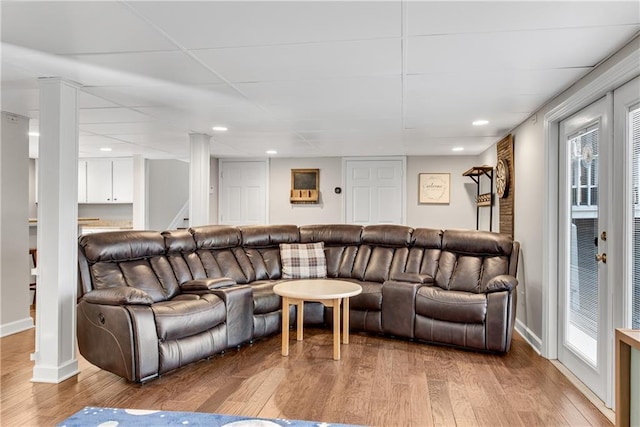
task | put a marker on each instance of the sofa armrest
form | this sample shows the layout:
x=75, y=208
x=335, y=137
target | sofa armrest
x=118, y=295
x=238, y=301
x=119, y=338
x=500, y=283
x=412, y=277
x=398, y=307
x=199, y=285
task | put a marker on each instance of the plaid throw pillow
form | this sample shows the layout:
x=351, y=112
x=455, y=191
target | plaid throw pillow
x=303, y=260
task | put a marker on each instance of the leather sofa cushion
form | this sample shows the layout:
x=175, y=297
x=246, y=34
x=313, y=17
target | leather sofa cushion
x=427, y=238
x=107, y=275
x=216, y=236
x=466, y=276
x=451, y=306
x=477, y=243
x=265, y=262
x=379, y=264
x=264, y=299
x=187, y=315
x=179, y=241
x=492, y=267
x=121, y=245
x=423, y=261
x=226, y=263
x=153, y=275
x=387, y=235
x=333, y=234
x=369, y=299
x=340, y=260
x=181, y=268
x=260, y=236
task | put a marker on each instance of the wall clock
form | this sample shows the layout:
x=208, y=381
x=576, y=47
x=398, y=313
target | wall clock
x=502, y=178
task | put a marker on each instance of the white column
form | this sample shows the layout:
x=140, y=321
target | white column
x=14, y=226
x=200, y=152
x=139, y=192
x=55, y=355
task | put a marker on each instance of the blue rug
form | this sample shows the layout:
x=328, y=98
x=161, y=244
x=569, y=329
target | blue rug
x=112, y=417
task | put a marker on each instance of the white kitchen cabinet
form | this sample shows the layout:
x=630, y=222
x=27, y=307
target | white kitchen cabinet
x=109, y=181
x=122, y=180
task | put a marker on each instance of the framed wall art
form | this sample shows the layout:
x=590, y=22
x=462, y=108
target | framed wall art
x=305, y=185
x=434, y=188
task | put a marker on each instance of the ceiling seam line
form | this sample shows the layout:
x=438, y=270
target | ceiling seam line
x=206, y=66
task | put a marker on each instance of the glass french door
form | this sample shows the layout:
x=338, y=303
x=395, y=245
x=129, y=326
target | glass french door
x=584, y=308
x=627, y=162
x=599, y=226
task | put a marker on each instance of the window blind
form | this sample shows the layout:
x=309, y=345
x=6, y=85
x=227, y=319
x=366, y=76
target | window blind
x=634, y=136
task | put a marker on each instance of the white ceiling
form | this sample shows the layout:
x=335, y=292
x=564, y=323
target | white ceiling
x=325, y=78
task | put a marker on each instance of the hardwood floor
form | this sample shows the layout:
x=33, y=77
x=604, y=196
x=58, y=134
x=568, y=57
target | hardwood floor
x=379, y=381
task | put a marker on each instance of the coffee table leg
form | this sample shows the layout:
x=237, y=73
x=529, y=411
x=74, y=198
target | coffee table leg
x=336, y=329
x=300, y=320
x=345, y=320
x=285, y=326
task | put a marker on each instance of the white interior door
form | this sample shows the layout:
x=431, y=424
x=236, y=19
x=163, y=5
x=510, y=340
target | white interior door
x=243, y=192
x=584, y=313
x=374, y=191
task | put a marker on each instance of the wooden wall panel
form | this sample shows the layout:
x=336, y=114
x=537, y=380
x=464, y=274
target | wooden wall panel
x=505, y=151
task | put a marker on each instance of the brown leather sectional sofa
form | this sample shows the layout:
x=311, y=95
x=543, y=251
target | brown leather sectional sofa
x=151, y=302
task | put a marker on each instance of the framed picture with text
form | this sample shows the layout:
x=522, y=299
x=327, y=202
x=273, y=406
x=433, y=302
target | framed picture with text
x=434, y=188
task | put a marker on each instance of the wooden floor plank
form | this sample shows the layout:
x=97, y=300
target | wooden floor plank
x=378, y=381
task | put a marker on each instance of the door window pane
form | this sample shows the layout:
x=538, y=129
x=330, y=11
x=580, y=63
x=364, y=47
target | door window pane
x=582, y=327
x=634, y=134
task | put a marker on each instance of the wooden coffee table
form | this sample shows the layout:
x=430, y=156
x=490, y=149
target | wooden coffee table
x=331, y=293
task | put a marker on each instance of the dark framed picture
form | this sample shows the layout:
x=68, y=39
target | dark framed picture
x=305, y=185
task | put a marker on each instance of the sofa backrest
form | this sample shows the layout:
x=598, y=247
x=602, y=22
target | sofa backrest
x=160, y=262
x=383, y=246
x=341, y=243
x=129, y=258
x=261, y=244
x=219, y=249
x=469, y=259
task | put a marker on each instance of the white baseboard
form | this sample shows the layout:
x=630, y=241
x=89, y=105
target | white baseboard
x=534, y=341
x=55, y=374
x=16, y=326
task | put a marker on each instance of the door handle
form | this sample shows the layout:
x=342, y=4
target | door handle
x=601, y=258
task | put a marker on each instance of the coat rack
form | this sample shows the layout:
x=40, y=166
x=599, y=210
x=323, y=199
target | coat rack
x=486, y=199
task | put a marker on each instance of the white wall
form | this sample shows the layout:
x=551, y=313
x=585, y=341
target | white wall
x=461, y=211
x=168, y=191
x=328, y=211
x=14, y=227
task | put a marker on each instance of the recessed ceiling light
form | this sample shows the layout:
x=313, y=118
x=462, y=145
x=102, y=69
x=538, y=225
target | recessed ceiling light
x=33, y=133
x=219, y=128
x=457, y=149
x=106, y=149
x=480, y=122
x=272, y=152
